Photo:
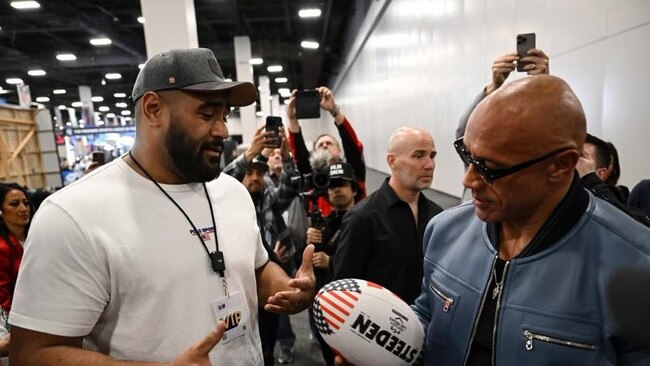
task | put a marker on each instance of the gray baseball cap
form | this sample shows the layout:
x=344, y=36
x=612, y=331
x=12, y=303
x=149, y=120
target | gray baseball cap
x=259, y=162
x=194, y=69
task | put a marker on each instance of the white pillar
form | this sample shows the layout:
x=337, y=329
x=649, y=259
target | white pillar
x=169, y=24
x=275, y=108
x=264, y=90
x=245, y=73
x=87, y=109
x=72, y=114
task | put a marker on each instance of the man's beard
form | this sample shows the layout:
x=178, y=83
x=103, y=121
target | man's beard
x=257, y=197
x=411, y=182
x=187, y=161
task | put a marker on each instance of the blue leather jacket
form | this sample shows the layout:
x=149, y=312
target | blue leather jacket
x=552, y=308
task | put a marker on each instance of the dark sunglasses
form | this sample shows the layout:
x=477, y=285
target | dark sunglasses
x=489, y=175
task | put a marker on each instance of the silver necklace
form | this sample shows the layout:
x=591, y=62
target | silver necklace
x=498, y=284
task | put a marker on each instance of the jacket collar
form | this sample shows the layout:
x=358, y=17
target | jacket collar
x=390, y=197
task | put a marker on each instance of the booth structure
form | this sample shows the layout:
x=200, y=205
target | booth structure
x=28, y=153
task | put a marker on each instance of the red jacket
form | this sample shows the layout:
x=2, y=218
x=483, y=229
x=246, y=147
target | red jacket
x=353, y=149
x=10, y=258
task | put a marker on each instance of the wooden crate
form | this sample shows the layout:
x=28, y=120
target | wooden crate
x=20, y=153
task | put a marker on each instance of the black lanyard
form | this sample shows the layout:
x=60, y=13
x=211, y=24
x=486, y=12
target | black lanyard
x=216, y=257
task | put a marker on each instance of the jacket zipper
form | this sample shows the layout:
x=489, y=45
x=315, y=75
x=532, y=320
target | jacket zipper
x=496, y=313
x=480, y=310
x=448, y=300
x=529, y=336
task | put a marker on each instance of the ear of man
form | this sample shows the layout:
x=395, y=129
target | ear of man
x=390, y=159
x=151, y=108
x=603, y=173
x=563, y=166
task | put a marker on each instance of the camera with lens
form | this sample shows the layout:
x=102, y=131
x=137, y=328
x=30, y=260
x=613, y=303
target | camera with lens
x=316, y=181
x=311, y=186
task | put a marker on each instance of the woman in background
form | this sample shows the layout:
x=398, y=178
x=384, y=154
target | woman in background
x=16, y=213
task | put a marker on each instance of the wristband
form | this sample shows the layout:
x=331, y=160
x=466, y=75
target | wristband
x=336, y=111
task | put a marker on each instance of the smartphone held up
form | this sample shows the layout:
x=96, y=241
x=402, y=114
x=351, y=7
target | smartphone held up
x=525, y=42
x=273, y=124
x=307, y=104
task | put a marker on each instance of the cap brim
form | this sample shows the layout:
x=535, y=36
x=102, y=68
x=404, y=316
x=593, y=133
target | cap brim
x=340, y=179
x=258, y=165
x=242, y=93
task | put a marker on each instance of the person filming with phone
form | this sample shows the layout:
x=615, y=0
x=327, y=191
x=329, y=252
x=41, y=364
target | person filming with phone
x=533, y=62
x=325, y=143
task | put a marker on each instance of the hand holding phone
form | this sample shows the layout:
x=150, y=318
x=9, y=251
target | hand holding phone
x=525, y=42
x=307, y=104
x=274, y=124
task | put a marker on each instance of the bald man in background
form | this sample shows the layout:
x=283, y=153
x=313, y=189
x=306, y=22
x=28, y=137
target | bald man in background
x=381, y=237
x=517, y=276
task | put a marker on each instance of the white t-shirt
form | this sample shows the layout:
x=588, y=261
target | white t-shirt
x=112, y=259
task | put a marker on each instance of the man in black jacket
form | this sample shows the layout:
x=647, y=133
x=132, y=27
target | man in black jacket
x=381, y=237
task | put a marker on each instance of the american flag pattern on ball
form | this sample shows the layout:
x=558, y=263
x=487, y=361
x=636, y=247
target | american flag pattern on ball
x=335, y=301
x=367, y=324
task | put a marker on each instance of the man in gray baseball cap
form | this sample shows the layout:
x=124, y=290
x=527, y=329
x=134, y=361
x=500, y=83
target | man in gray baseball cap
x=161, y=253
x=194, y=69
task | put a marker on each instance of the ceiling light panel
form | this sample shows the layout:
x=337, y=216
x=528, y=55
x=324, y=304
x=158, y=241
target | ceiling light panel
x=309, y=13
x=22, y=5
x=100, y=41
x=66, y=57
x=36, y=72
x=58, y=91
x=312, y=45
x=274, y=68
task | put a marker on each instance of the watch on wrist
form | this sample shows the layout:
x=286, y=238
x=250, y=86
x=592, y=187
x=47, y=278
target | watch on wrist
x=336, y=111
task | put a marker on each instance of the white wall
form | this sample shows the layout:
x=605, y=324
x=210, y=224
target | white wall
x=426, y=59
